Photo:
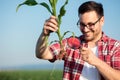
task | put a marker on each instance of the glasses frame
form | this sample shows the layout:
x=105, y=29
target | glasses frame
x=88, y=25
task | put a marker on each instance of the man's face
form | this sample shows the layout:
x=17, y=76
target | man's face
x=91, y=25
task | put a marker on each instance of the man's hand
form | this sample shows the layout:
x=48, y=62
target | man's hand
x=88, y=55
x=50, y=25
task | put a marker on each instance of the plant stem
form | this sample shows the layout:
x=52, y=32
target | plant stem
x=58, y=32
x=59, y=36
x=54, y=8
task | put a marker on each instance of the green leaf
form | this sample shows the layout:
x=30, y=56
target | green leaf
x=27, y=2
x=18, y=7
x=53, y=41
x=62, y=11
x=30, y=2
x=68, y=32
x=46, y=6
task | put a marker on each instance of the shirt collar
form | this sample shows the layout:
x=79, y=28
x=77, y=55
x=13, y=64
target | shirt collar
x=104, y=37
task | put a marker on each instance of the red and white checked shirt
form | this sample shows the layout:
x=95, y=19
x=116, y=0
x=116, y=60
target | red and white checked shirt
x=108, y=51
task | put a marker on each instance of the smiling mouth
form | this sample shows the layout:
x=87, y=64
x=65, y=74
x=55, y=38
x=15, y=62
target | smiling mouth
x=86, y=34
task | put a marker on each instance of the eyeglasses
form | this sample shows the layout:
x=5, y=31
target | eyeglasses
x=89, y=25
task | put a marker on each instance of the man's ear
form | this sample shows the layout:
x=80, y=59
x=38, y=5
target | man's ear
x=102, y=21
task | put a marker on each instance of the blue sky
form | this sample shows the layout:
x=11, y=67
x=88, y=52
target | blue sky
x=20, y=30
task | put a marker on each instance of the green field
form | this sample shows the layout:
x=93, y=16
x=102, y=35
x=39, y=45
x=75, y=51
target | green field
x=31, y=75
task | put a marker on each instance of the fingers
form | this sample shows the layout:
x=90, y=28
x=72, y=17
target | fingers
x=85, y=57
x=52, y=21
x=51, y=25
x=84, y=53
x=83, y=50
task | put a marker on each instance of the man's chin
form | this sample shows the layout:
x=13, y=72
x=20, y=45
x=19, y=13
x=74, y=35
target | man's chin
x=88, y=39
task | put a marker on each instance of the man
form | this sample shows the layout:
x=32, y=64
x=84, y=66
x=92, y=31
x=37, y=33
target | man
x=98, y=57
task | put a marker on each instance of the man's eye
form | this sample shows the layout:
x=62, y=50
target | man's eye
x=82, y=24
x=90, y=24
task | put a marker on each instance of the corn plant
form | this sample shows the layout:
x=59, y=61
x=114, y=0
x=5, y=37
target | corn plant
x=51, y=7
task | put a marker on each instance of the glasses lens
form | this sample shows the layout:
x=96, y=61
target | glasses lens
x=90, y=25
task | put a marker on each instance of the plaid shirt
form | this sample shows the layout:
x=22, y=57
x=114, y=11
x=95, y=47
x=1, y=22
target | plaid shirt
x=108, y=51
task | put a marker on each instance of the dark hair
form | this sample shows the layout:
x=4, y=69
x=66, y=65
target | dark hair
x=91, y=6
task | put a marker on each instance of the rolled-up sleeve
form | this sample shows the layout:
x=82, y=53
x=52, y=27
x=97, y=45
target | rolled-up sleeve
x=55, y=50
x=116, y=57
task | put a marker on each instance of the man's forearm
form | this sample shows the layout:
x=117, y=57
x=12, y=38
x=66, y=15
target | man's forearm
x=107, y=72
x=41, y=45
